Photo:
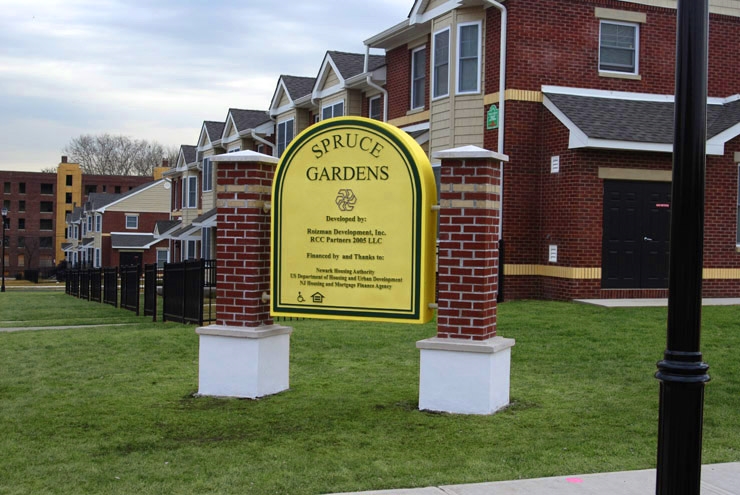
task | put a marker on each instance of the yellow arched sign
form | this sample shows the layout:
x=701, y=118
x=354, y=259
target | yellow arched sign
x=353, y=232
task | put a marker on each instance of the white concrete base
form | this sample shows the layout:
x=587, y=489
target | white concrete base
x=464, y=376
x=243, y=362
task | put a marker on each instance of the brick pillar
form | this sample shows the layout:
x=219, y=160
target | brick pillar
x=243, y=242
x=244, y=354
x=468, y=247
x=465, y=368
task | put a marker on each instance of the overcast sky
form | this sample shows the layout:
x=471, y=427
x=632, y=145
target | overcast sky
x=156, y=69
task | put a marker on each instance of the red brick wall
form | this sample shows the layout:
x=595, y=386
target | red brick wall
x=468, y=253
x=556, y=42
x=398, y=80
x=243, y=246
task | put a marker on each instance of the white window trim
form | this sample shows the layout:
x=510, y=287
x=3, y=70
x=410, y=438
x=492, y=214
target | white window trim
x=332, y=105
x=98, y=223
x=459, y=56
x=413, y=79
x=637, y=47
x=194, y=187
x=131, y=215
x=433, y=66
x=284, y=123
x=207, y=166
x=370, y=106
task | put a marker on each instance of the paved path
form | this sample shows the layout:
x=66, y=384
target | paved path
x=717, y=479
x=66, y=327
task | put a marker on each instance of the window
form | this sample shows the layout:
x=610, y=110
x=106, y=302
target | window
x=618, y=47
x=260, y=148
x=45, y=242
x=104, y=188
x=205, y=243
x=6, y=188
x=84, y=229
x=47, y=188
x=22, y=188
x=234, y=150
x=117, y=190
x=284, y=135
x=68, y=198
x=6, y=204
x=47, y=207
x=441, y=77
x=89, y=223
x=163, y=256
x=46, y=224
x=418, y=77
x=207, y=175
x=468, y=62
x=21, y=242
x=97, y=258
x=21, y=224
x=191, y=199
x=22, y=206
x=69, y=180
x=374, y=109
x=21, y=260
x=335, y=110
x=132, y=221
x=98, y=223
x=190, y=250
x=90, y=189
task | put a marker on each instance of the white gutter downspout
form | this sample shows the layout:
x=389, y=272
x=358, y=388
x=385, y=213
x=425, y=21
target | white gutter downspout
x=265, y=142
x=375, y=86
x=501, y=99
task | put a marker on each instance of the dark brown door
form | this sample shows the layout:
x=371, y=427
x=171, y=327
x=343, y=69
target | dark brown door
x=636, y=227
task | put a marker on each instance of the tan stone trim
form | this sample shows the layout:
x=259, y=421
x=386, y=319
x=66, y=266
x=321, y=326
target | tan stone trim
x=472, y=203
x=244, y=332
x=737, y=157
x=595, y=273
x=635, y=174
x=620, y=15
x=619, y=75
x=410, y=119
x=576, y=273
x=514, y=95
x=721, y=273
x=484, y=188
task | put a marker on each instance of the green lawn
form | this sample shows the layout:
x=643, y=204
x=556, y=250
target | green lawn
x=112, y=410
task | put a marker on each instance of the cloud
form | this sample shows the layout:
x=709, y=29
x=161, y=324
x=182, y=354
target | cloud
x=156, y=69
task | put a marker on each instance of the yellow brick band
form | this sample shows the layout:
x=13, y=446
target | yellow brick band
x=514, y=95
x=410, y=119
x=472, y=203
x=575, y=273
x=481, y=188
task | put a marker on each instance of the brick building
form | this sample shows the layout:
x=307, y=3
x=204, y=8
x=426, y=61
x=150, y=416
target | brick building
x=588, y=128
x=38, y=204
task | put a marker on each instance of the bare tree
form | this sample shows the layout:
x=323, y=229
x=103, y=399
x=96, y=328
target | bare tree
x=106, y=154
x=32, y=246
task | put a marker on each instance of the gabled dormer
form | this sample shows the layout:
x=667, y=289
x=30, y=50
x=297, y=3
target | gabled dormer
x=251, y=130
x=291, y=108
x=350, y=84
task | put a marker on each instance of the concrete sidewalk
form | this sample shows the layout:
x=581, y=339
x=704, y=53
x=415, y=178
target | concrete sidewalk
x=717, y=479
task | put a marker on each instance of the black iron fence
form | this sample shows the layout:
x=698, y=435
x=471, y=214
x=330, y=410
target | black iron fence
x=188, y=289
x=96, y=290
x=152, y=281
x=130, y=287
x=189, y=292
x=110, y=286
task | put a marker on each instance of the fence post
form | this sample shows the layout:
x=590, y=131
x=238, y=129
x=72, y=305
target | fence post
x=465, y=368
x=244, y=354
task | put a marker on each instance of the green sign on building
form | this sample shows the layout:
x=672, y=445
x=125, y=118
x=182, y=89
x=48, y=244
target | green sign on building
x=492, y=118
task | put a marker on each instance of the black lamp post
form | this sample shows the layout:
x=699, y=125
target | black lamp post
x=5, y=217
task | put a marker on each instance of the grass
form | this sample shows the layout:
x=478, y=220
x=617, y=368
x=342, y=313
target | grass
x=113, y=410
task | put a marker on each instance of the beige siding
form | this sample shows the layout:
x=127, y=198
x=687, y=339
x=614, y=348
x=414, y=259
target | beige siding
x=155, y=199
x=301, y=121
x=353, y=104
x=330, y=79
x=335, y=98
x=433, y=4
x=284, y=100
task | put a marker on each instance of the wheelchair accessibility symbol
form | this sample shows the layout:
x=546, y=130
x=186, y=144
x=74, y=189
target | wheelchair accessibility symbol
x=301, y=298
